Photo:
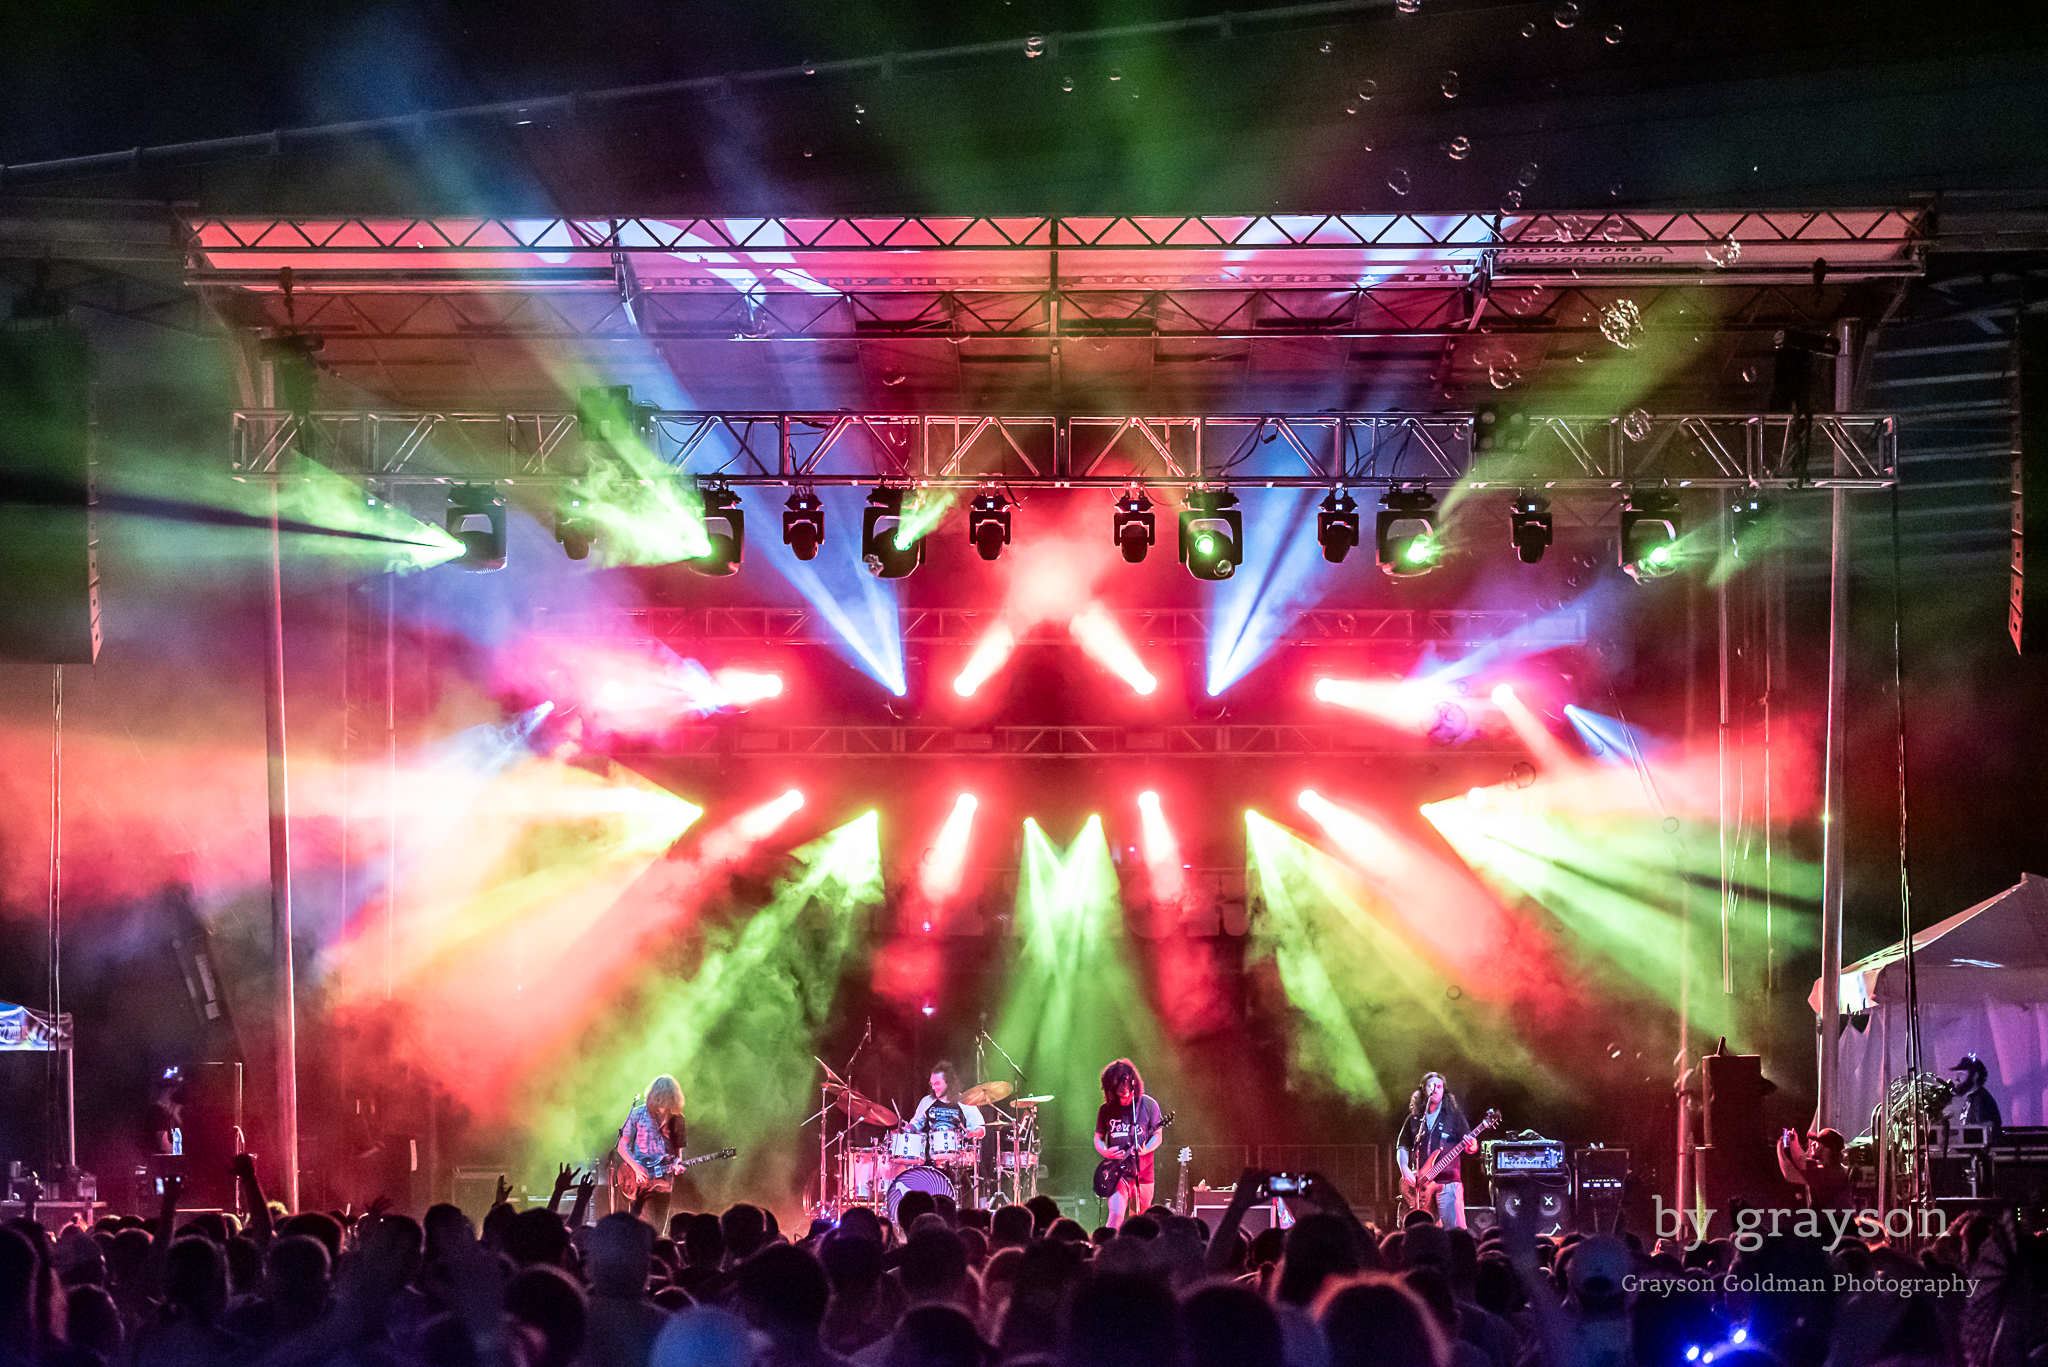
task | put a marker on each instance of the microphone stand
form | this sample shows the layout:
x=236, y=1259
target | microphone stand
x=825, y=1141
x=1006, y=1057
x=1016, y=1174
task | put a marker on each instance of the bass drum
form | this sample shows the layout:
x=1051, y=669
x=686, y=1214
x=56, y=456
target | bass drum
x=917, y=1179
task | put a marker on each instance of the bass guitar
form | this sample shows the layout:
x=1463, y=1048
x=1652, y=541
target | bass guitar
x=1112, y=1173
x=661, y=1176
x=1419, y=1189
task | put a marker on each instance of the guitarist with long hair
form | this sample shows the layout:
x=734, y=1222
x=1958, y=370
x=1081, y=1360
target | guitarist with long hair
x=1127, y=1129
x=649, y=1143
x=1436, y=1123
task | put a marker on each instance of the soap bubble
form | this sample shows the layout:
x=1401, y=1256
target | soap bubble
x=1529, y=29
x=1621, y=323
x=1566, y=14
x=1450, y=85
x=1527, y=175
x=1326, y=47
x=1458, y=148
x=1749, y=374
x=1399, y=182
x=1613, y=35
x=810, y=68
x=1407, y=6
x=1725, y=253
x=1368, y=89
x=1034, y=46
x=1067, y=84
x=1116, y=73
x=1636, y=426
x=1511, y=201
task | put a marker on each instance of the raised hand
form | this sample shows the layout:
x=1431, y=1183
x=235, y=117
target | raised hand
x=174, y=1187
x=379, y=1207
x=565, y=1179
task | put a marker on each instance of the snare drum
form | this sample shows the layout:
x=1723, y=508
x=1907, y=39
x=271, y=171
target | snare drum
x=917, y=1179
x=1021, y=1160
x=905, y=1145
x=867, y=1174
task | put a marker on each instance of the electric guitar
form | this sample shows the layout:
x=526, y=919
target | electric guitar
x=1180, y=1197
x=1112, y=1173
x=1419, y=1189
x=661, y=1175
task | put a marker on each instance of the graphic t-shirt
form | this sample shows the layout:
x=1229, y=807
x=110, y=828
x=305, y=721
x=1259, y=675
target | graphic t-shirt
x=1113, y=1124
x=1434, y=1130
x=933, y=1114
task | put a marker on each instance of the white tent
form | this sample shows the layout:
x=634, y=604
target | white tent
x=1983, y=979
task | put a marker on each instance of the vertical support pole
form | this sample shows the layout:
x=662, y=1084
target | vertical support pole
x=390, y=774
x=1725, y=757
x=283, y=986
x=54, y=986
x=1834, y=827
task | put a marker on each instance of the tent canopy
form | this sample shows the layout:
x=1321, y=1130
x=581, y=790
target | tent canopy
x=1997, y=949
x=24, y=1031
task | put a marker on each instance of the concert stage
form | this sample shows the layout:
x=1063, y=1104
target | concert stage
x=492, y=647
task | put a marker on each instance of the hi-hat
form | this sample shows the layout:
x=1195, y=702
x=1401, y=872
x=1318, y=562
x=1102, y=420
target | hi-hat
x=982, y=1093
x=1031, y=1100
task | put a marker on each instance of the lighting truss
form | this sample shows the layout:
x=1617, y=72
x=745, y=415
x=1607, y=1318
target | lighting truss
x=1039, y=451
x=1046, y=742
x=1390, y=627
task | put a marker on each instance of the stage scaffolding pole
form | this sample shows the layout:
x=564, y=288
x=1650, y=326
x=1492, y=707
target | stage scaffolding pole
x=1834, y=824
x=283, y=985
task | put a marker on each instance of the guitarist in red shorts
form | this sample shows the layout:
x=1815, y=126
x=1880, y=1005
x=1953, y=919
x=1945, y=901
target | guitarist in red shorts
x=1128, y=1127
x=1436, y=1123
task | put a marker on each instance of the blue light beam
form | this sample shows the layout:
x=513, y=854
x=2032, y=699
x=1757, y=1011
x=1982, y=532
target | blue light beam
x=861, y=609
x=1282, y=574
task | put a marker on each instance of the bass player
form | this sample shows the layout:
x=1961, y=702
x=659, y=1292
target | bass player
x=1435, y=1123
x=1128, y=1127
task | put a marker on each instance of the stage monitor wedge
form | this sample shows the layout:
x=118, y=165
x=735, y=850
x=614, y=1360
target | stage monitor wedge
x=2027, y=608
x=49, y=546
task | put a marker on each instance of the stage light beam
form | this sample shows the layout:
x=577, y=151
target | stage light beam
x=988, y=656
x=1104, y=642
x=947, y=858
x=1161, y=850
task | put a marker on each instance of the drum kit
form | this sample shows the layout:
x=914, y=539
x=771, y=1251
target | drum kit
x=877, y=1171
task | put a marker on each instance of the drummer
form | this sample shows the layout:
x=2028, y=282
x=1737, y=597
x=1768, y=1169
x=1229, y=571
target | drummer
x=939, y=1111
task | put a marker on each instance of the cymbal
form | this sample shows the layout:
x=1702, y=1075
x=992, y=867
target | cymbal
x=832, y=1079
x=1031, y=1100
x=860, y=1108
x=982, y=1093
x=995, y=1122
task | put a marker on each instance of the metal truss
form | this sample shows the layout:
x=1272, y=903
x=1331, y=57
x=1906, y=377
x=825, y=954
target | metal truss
x=1142, y=626
x=1528, y=239
x=1545, y=308
x=1171, y=278
x=1567, y=453
x=1046, y=742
